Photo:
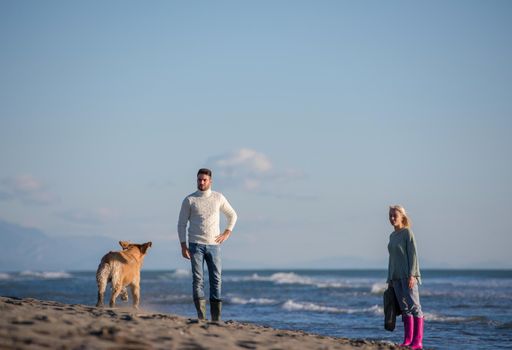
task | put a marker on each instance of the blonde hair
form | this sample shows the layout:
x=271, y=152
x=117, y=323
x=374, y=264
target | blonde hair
x=406, y=221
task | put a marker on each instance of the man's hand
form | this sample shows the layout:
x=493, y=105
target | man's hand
x=222, y=237
x=184, y=251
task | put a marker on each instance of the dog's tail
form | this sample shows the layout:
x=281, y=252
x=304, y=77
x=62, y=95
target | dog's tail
x=102, y=279
x=103, y=275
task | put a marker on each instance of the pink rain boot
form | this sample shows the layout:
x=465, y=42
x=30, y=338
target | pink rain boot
x=408, y=330
x=417, y=342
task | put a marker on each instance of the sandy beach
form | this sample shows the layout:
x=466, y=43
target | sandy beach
x=38, y=324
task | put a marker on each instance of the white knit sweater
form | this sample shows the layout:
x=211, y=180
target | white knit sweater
x=202, y=210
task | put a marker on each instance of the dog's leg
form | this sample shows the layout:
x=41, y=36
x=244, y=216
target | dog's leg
x=124, y=294
x=135, y=294
x=116, y=290
x=99, y=303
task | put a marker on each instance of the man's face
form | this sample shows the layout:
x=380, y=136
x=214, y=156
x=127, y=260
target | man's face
x=204, y=182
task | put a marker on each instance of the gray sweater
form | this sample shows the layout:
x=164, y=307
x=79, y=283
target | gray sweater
x=403, y=258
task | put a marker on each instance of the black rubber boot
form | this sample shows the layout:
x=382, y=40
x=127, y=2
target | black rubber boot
x=215, y=310
x=201, y=309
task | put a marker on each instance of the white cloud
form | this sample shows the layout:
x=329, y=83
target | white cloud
x=248, y=169
x=246, y=158
x=27, y=189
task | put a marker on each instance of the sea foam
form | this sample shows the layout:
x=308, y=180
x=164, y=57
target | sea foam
x=379, y=288
x=434, y=317
x=291, y=278
x=46, y=274
x=291, y=305
x=181, y=273
x=255, y=301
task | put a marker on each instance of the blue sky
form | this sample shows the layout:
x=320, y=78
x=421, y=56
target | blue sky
x=314, y=116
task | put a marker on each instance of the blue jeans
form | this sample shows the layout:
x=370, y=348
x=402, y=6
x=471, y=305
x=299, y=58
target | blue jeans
x=408, y=299
x=199, y=253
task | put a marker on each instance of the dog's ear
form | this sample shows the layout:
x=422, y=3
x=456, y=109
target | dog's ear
x=144, y=247
x=124, y=244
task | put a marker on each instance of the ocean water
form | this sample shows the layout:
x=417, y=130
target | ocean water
x=463, y=309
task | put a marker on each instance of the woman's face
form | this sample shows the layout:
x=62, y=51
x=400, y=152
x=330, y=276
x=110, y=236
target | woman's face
x=395, y=218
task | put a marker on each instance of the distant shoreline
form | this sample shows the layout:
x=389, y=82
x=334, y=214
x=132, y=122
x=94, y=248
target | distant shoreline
x=37, y=324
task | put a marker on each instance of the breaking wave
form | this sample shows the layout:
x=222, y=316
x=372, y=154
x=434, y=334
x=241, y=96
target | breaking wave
x=47, y=275
x=291, y=305
x=278, y=278
x=291, y=278
x=180, y=273
x=379, y=288
x=434, y=317
x=254, y=301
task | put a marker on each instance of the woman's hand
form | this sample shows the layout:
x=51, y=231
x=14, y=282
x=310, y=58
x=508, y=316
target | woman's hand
x=412, y=282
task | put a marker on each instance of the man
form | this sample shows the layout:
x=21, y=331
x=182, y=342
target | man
x=201, y=210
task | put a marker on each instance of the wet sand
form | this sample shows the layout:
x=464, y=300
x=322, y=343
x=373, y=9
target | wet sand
x=38, y=324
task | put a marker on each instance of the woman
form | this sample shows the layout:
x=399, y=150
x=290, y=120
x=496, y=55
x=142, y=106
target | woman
x=404, y=276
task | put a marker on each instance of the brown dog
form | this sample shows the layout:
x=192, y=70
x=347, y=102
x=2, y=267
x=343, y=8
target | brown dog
x=121, y=269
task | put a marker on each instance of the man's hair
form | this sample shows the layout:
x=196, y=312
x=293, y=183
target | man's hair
x=205, y=171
